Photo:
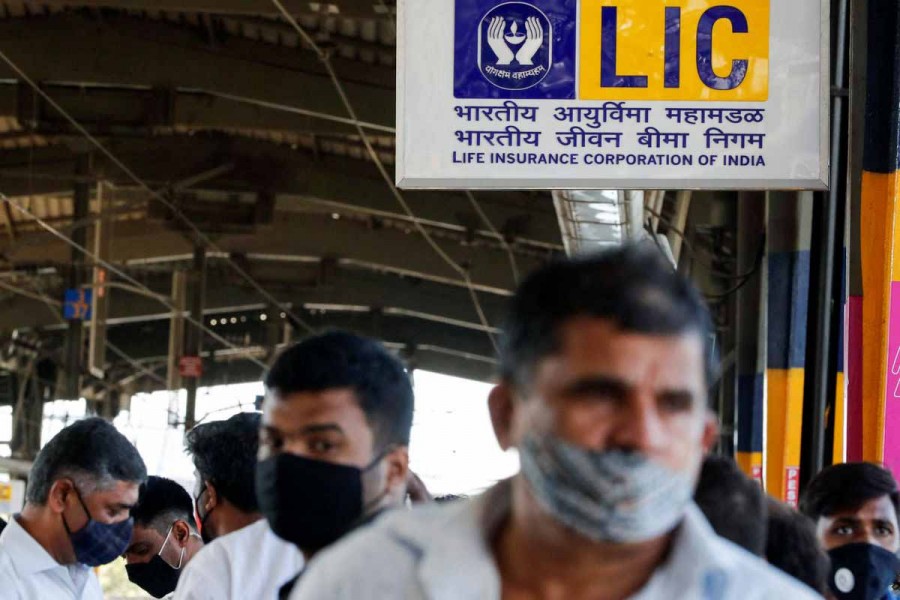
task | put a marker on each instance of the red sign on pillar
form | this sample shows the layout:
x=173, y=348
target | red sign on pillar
x=792, y=487
x=756, y=474
x=190, y=367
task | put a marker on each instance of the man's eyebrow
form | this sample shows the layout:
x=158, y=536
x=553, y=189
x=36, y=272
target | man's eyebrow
x=307, y=430
x=596, y=384
x=847, y=520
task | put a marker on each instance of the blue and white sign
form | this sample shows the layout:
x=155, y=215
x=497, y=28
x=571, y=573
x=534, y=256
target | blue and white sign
x=612, y=94
x=78, y=304
x=515, y=50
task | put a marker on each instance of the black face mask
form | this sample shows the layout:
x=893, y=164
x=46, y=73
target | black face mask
x=205, y=535
x=156, y=577
x=310, y=503
x=862, y=571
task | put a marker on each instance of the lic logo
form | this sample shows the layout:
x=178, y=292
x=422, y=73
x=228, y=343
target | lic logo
x=515, y=46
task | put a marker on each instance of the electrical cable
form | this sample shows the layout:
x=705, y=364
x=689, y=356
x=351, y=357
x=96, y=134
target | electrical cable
x=376, y=159
x=490, y=225
x=116, y=271
x=53, y=306
x=760, y=252
x=201, y=237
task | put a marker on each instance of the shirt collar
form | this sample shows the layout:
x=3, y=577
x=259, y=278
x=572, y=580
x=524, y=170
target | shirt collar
x=467, y=528
x=28, y=556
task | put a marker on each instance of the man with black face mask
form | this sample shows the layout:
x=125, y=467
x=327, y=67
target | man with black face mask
x=333, y=445
x=855, y=508
x=164, y=539
x=605, y=365
x=244, y=559
x=81, y=489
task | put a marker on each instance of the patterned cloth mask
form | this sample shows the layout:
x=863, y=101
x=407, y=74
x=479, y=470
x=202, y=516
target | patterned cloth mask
x=611, y=496
x=98, y=543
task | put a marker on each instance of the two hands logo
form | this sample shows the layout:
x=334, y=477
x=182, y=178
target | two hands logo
x=502, y=43
x=519, y=37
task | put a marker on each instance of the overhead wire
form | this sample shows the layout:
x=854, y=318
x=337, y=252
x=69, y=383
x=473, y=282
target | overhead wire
x=696, y=257
x=125, y=276
x=201, y=237
x=325, y=59
x=53, y=305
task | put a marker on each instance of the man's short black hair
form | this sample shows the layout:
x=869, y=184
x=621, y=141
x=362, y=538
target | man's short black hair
x=793, y=547
x=161, y=503
x=339, y=359
x=734, y=504
x=633, y=286
x=92, y=453
x=847, y=487
x=224, y=453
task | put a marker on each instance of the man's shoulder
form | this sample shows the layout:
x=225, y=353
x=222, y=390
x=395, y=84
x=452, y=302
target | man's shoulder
x=383, y=556
x=746, y=571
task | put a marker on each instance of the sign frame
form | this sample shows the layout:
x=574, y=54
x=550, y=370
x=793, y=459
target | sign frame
x=404, y=181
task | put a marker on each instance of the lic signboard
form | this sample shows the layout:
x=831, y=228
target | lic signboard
x=613, y=94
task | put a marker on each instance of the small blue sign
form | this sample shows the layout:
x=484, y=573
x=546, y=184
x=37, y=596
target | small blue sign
x=78, y=303
x=507, y=50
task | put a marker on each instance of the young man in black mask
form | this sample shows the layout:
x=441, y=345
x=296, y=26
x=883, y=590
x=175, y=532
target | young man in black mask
x=333, y=445
x=164, y=539
x=855, y=508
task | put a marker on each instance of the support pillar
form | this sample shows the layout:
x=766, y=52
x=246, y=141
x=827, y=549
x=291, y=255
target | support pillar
x=880, y=240
x=74, y=347
x=789, y=230
x=751, y=326
x=193, y=334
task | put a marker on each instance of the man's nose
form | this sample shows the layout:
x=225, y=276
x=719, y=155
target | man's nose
x=639, y=427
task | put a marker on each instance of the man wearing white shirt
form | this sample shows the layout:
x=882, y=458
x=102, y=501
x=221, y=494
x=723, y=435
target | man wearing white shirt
x=605, y=365
x=82, y=486
x=242, y=559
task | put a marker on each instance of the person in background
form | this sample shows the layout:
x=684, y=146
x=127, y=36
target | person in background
x=854, y=507
x=82, y=487
x=605, y=365
x=791, y=546
x=334, y=440
x=165, y=537
x=242, y=558
x=2, y=524
x=734, y=504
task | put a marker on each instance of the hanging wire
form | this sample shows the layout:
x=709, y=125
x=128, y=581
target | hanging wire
x=125, y=276
x=204, y=239
x=53, y=306
x=325, y=59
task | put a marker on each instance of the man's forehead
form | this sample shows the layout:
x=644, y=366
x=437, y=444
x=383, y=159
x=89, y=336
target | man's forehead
x=590, y=344
x=143, y=533
x=301, y=408
x=121, y=492
x=881, y=508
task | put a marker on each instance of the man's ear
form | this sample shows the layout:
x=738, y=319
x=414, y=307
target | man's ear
x=212, y=498
x=397, y=463
x=502, y=406
x=59, y=492
x=710, y=431
x=181, y=532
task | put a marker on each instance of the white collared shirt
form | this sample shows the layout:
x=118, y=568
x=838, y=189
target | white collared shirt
x=444, y=553
x=28, y=572
x=251, y=562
